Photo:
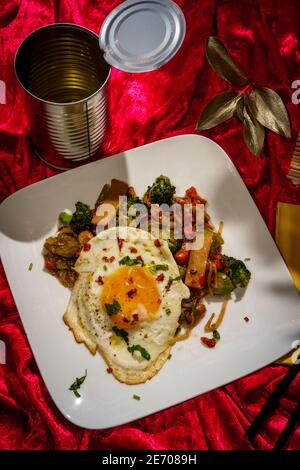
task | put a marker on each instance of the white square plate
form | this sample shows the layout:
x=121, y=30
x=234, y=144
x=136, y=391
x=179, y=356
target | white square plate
x=270, y=301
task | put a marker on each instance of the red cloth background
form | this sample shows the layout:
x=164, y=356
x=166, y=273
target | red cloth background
x=263, y=35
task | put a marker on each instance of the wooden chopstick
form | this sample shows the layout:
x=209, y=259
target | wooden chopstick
x=272, y=401
x=283, y=438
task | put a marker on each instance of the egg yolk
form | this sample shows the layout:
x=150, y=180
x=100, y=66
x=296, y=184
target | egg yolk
x=130, y=295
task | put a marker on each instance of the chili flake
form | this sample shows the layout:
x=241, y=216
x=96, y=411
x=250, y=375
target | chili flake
x=120, y=243
x=209, y=342
x=100, y=281
x=108, y=260
x=131, y=293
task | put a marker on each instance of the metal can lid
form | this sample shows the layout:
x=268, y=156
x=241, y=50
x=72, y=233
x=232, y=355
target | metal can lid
x=142, y=35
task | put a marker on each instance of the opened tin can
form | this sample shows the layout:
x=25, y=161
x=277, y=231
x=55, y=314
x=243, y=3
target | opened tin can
x=65, y=71
x=62, y=69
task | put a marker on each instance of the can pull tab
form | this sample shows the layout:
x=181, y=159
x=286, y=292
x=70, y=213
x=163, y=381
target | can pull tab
x=140, y=36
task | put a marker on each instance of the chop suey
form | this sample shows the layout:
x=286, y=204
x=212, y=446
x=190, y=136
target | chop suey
x=134, y=295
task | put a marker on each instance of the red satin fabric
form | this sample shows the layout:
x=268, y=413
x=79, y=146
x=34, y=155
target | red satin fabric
x=263, y=36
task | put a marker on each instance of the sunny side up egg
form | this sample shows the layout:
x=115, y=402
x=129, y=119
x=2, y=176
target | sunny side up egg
x=127, y=302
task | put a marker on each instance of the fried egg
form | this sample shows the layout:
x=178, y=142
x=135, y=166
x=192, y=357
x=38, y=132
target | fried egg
x=126, y=302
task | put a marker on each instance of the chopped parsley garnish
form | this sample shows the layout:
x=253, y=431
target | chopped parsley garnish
x=122, y=333
x=137, y=347
x=168, y=311
x=127, y=261
x=77, y=384
x=136, y=397
x=216, y=334
x=159, y=267
x=169, y=356
x=30, y=267
x=247, y=259
x=173, y=279
x=113, y=308
x=105, y=268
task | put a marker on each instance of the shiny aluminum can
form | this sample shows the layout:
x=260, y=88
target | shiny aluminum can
x=65, y=76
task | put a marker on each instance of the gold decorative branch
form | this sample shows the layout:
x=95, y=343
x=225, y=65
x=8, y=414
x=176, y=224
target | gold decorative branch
x=257, y=108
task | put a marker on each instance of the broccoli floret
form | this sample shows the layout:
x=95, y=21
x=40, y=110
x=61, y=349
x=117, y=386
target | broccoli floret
x=82, y=218
x=236, y=270
x=161, y=192
x=133, y=200
x=223, y=284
